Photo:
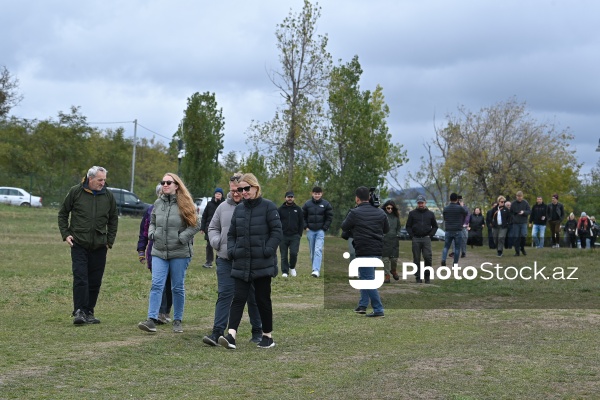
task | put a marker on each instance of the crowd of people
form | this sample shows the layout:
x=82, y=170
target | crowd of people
x=244, y=231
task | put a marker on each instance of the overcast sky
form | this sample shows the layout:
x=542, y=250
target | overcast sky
x=142, y=59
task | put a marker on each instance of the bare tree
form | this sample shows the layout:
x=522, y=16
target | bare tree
x=499, y=150
x=305, y=66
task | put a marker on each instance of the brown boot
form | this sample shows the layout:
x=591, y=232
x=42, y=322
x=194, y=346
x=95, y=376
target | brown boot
x=387, y=278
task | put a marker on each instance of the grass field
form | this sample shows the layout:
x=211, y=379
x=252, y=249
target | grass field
x=472, y=345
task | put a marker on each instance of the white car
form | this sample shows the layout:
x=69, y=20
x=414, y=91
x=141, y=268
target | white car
x=18, y=197
x=201, y=203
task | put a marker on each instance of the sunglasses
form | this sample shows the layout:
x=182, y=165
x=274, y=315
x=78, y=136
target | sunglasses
x=234, y=178
x=163, y=183
x=244, y=189
x=389, y=208
x=289, y=197
x=501, y=202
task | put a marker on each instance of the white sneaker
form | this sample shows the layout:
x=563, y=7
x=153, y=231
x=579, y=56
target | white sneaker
x=284, y=275
x=293, y=272
x=315, y=273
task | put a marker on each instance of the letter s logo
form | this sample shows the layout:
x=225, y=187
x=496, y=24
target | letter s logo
x=366, y=284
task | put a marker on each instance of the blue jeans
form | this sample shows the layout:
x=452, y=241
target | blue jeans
x=177, y=268
x=538, y=230
x=369, y=294
x=226, y=288
x=316, y=239
x=450, y=236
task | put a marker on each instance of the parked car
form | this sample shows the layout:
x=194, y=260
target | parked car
x=18, y=197
x=128, y=202
x=201, y=203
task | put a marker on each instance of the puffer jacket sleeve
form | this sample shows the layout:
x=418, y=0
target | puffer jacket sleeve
x=188, y=233
x=231, y=234
x=275, y=230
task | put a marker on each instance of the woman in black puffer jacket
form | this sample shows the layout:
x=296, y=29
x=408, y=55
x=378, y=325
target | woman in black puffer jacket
x=252, y=241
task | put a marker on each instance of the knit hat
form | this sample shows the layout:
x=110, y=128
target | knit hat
x=219, y=190
x=583, y=214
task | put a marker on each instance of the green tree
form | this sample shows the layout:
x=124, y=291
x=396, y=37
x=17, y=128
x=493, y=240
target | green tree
x=9, y=95
x=588, y=193
x=356, y=148
x=202, y=133
x=305, y=66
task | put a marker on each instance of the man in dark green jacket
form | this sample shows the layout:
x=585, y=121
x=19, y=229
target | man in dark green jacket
x=90, y=232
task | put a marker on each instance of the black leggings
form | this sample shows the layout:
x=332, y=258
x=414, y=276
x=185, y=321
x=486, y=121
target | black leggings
x=262, y=291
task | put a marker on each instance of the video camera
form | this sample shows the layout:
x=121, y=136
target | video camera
x=374, y=197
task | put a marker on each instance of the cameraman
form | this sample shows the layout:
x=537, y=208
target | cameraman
x=367, y=224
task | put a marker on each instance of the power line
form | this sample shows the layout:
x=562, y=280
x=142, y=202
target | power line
x=131, y=122
x=150, y=130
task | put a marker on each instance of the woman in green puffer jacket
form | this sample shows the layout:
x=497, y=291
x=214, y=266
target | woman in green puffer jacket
x=173, y=224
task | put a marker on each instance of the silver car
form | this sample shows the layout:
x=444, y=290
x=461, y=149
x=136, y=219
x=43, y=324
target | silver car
x=18, y=197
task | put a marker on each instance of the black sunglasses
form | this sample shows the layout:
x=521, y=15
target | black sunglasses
x=244, y=189
x=167, y=182
x=234, y=178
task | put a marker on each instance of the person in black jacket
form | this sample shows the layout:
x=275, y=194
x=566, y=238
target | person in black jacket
x=318, y=215
x=292, y=224
x=252, y=241
x=520, y=212
x=488, y=223
x=454, y=216
x=207, y=215
x=475, y=228
x=556, y=213
x=367, y=225
x=421, y=226
x=538, y=218
x=571, y=231
x=500, y=223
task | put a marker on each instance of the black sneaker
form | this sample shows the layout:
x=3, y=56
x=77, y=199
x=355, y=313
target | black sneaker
x=147, y=325
x=375, y=314
x=212, y=339
x=266, y=343
x=227, y=341
x=360, y=310
x=79, y=318
x=443, y=263
x=523, y=251
x=90, y=319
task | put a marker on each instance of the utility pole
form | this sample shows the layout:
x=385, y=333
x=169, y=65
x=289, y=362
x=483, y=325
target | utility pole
x=598, y=149
x=133, y=156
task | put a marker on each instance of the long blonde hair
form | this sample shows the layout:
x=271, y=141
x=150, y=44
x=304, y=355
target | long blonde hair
x=187, y=208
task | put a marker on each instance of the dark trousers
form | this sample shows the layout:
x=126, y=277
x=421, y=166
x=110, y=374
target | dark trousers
x=167, y=299
x=210, y=255
x=291, y=244
x=88, y=270
x=555, y=232
x=491, y=238
x=262, y=293
x=421, y=246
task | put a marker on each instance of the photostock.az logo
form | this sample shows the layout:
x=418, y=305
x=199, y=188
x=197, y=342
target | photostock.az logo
x=366, y=262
